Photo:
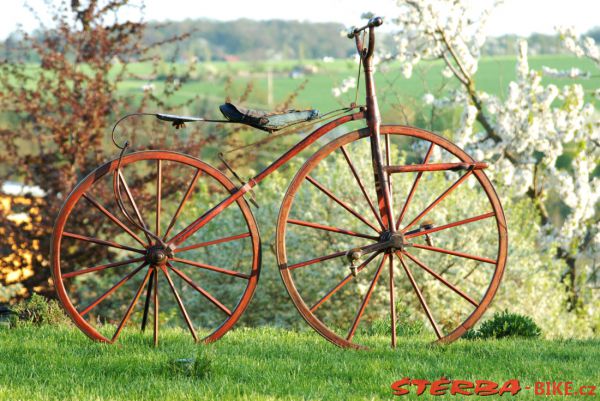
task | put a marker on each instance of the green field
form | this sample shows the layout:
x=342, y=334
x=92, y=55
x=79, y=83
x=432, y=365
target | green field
x=209, y=82
x=56, y=363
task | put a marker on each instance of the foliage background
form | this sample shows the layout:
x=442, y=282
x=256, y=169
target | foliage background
x=58, y=104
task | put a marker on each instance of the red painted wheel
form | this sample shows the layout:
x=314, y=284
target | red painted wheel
x=450, y=249
x=102, y=264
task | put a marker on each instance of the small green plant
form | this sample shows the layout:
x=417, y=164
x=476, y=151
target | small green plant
x=199, y=367
x=406, y=326
x=471, y=334
x=38, y=310
x=6, y=317
x=204, y=362
x=505, y=324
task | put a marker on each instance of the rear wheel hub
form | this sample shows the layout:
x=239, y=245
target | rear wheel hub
x=157, y=256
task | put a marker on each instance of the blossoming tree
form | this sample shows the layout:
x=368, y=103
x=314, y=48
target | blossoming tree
x=524, y=134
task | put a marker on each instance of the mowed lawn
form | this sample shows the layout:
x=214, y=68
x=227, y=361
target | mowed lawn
x=55, y=363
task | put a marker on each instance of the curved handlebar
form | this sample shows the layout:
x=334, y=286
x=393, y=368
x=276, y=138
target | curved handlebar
x=373, y=23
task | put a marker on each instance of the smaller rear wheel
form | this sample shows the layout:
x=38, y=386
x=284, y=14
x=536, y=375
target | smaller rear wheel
x=111, y=276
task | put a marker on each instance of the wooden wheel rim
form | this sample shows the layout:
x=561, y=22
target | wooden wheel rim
x=85, y=184
x=326, y=150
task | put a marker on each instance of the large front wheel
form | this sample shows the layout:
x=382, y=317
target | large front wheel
x=449, y=241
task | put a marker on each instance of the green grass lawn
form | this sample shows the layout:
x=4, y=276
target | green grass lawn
x=493, y=76
x=55, y=363
x=214, y=81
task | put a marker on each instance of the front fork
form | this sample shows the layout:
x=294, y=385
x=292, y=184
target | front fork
x=382, y=184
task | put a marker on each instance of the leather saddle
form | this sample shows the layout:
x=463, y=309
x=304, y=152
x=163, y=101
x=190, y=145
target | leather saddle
x=265, y=120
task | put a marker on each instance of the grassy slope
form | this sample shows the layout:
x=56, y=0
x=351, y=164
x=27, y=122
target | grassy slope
x=269, y=364
x=493, y=76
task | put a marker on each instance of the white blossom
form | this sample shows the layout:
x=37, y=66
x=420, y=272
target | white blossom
x=432, y=29
x=464, y=134
x=447, y=72
x=347, y=84
x=149, y=87
x=428, y=99
x=570, y=73
x=581, y=47
x=531, y=126
x=407, y=69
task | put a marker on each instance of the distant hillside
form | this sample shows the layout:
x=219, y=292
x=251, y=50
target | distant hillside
x=251, y=40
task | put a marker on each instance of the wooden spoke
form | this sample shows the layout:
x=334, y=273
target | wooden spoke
x=212, y=268
x=455, y=253
x=413, y=168
x=387, y=150
x=113, y=218
x=438, y=200
x=340, y=202
x=392, y=303
x=188, y=192
x=362, y=187
x=414, y=285
x=342, y=283
x=101, y=242
x=450, y=225
x=147, y=303
x=388, y=161
x=366, y=299
x=131, y=306
x=101, y=267
x=180, y=303
x=158, y=194
x=201, y=290
x=317, y=260
x=134, y=205
x=443, y=280
x=414, y=187
x=156, y=308
x=213, y=242
x=111, y=290
x=329, y=228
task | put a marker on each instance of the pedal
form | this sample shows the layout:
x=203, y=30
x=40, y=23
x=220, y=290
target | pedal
x=353, y=257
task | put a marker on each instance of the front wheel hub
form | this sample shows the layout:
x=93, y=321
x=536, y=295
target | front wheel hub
x=395, y=240
x=398, y=241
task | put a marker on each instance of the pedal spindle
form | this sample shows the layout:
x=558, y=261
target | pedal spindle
x=353, y=257
x=427, y=225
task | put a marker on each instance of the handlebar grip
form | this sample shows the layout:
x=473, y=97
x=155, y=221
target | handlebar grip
x=373, y=23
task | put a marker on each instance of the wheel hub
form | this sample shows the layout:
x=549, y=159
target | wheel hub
x=395, y=240
x=157, y=255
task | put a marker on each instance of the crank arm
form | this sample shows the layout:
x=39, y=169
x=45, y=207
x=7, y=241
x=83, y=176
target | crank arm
x=411, y=232
x=365, y=250
x=380, y=246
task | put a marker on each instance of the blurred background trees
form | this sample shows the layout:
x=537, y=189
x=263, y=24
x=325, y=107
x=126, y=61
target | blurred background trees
x=56, y=114
x=544, y=139
x=62, y=87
